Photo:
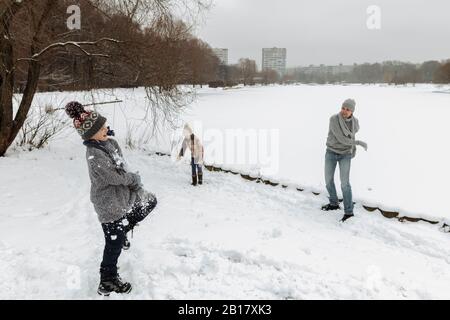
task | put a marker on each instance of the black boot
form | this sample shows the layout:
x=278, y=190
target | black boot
x=194, y=180
x=347, y=216
x=200, y=178
x=330, y=207
x=126, y=243
x=114, y=284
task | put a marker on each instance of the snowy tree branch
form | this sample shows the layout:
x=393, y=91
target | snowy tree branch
x=76, y=44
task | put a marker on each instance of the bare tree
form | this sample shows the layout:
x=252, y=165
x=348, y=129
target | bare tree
x=248, y=70
x=270, y=76
x=202, y=65
x=443, y=73
x=29, y=39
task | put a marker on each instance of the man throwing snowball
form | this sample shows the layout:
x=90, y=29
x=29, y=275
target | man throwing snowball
x=341, y=148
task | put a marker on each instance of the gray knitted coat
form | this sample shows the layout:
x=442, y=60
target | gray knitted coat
x=342, y=139
x=113, y=190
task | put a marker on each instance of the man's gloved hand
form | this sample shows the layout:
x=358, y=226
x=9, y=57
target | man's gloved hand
x=362, y=144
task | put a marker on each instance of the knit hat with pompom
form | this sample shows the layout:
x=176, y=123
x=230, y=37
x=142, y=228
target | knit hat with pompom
x=87, y=123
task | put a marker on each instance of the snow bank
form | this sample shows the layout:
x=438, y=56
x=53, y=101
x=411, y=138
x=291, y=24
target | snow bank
x=228, y=239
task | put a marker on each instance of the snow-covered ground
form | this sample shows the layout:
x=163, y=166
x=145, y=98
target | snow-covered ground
x=405, y=168
x=231, y=238
x=228, y=239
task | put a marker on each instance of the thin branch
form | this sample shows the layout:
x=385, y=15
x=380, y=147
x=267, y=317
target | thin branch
x=50, y=110
x=76, y=44
x=26, y=59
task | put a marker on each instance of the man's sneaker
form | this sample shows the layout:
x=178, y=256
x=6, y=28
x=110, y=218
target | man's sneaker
x=330, y=207
x=114, y=285
x=346, y=217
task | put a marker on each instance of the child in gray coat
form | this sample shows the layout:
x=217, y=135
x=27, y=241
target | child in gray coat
x=118, y=195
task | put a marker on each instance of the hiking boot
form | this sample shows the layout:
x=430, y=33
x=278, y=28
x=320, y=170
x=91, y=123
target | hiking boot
x=200, y=178
x=194, y=180
x=114, y=284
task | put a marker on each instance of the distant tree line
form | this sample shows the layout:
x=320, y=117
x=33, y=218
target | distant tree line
x=244, y=72
x=391, y=72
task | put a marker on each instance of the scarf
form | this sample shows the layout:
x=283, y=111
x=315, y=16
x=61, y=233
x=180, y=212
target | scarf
x=115, y=158
x=347, y=132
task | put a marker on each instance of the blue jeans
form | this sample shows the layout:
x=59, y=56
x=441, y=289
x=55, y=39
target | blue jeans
x=196, y=168
x=344, y=160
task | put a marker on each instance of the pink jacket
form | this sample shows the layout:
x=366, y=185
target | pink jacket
x=192, y=142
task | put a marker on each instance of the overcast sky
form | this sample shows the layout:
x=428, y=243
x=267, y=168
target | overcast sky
x=330, y=31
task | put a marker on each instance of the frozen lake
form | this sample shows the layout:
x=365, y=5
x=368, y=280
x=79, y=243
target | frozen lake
x=406, y=128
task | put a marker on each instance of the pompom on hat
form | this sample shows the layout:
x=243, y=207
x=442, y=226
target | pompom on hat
x=87, y=123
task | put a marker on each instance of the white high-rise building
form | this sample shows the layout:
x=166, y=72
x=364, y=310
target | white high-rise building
x=222, y=54
x=274, y=59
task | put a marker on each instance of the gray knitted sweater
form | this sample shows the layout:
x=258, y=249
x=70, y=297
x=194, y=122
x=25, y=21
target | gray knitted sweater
x=113, y=191
x=342, y=139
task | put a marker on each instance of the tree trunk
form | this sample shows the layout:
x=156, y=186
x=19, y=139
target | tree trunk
x=27, y=98
x=7, y=81
x=9, y=127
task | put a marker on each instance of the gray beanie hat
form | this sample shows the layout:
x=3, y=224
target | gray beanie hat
x=350, y=104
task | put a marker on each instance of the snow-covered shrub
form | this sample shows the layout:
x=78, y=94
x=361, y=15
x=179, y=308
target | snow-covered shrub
x=138, y=134
x=41, y=126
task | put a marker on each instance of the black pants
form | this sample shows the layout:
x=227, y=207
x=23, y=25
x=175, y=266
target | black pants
x=115, y=233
